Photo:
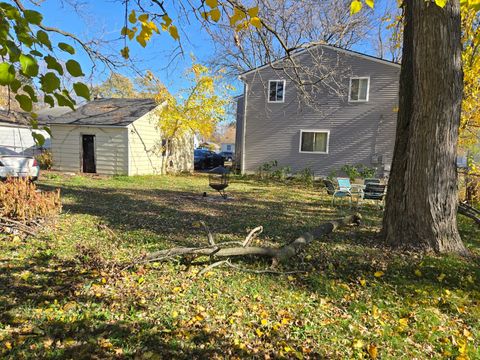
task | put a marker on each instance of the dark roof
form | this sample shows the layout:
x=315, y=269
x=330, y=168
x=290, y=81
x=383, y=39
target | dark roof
x=14, y=117
x=46, y=114
x=106, y=112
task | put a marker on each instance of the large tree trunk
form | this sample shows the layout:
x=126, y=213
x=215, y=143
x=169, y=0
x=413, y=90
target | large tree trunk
x=421, y=204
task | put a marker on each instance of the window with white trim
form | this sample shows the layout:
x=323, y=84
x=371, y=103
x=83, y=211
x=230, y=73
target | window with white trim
x=359, y=89
x=314, y=141
x=276, y=90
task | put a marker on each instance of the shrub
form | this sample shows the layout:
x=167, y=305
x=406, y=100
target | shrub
x=351, y=171
x=45, y=160
x=20, y=200
x=271, y=171
x=358, y=171
x=306, y=177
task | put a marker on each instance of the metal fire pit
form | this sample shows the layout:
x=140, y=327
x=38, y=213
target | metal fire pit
x=218, y=180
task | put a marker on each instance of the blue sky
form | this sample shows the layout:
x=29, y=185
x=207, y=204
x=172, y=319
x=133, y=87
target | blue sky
x=105, y=18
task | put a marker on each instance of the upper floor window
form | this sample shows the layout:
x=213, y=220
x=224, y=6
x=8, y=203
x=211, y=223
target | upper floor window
x=314, y=141
x=359, y=88
x=276, y=90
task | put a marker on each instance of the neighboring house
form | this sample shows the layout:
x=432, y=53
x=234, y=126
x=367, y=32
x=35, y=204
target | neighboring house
x=16, y=134
x=227, y=147
x=209, y=145
x=355, y=125
x=117, y=137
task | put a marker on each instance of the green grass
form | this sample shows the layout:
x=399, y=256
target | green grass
x=59, y=298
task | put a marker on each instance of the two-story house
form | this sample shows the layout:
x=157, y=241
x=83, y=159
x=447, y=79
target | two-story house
x=352, y=124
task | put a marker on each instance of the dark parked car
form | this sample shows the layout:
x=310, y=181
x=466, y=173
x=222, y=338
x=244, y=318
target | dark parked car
x=205, y=159
x=228, y=155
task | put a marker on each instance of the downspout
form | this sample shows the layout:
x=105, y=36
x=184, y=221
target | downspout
x=244, y=125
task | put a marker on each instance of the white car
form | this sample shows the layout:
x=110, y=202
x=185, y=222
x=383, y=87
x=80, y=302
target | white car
x=19, y=166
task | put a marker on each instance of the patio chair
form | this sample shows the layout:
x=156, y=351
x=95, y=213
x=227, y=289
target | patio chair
x=374, y=191
x=371, y=181
x=343, y=190
x=330, y=186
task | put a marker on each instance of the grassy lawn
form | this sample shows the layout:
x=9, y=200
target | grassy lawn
x=59, y=297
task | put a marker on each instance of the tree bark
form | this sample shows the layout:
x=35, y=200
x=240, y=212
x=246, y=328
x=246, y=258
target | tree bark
x=421, y=203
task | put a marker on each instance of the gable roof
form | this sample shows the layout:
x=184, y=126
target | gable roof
x=48, y=113
x=106, y=112
x=336, y=48
x=11, y=117
x=17, y=118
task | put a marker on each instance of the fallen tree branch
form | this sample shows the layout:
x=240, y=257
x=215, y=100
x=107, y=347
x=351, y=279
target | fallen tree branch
x=277, y=255
x=470, y=212
x=252, y=235
x=211, y=239
x=4, y=221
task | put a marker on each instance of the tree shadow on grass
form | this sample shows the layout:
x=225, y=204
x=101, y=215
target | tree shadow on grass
x=172, y=214
x=46, y=317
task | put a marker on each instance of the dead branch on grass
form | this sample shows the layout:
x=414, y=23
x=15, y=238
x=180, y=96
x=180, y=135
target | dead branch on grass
x=469, y=211
x=226, y=251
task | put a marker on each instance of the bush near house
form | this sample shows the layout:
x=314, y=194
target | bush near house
x=45, y=160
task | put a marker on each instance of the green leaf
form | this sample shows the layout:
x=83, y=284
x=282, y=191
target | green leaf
x=67, y=48
x=36, y=53
x=29, y=65
x=64, y=101
x=15, y=85
x=74, y=68
x=53, y=64
x=34, y=123
x=29, y=90
x=47, y=99
x=370, y=3
x=47, y=129
x=441, y=3
x=25, y=102
x=42, y=36
x=13, y=51
x=82, y=90
x=50, y=82
x=355, y=7
x=39, y=138
x=7, y=73
x=33, y=17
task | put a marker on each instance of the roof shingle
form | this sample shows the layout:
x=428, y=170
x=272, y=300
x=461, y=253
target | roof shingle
x=106, y=112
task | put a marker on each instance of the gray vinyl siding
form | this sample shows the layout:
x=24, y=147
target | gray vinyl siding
x=357, y=130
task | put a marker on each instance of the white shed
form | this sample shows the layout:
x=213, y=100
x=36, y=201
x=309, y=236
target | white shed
x=116, y=137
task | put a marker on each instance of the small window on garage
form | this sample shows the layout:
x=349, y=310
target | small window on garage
x=276, y=91
x=359, y=89
x=314, y=141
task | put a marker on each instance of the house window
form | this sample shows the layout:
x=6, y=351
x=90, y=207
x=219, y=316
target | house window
x=229, y=147
x=359, y=88
x=314, y=141
x=276, y=91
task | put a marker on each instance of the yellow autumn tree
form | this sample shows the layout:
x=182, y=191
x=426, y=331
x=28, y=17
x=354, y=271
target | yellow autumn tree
x=470, y=121
x=196, y=109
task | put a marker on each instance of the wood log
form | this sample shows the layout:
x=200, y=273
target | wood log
x=470, y=212
x=278, y=255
